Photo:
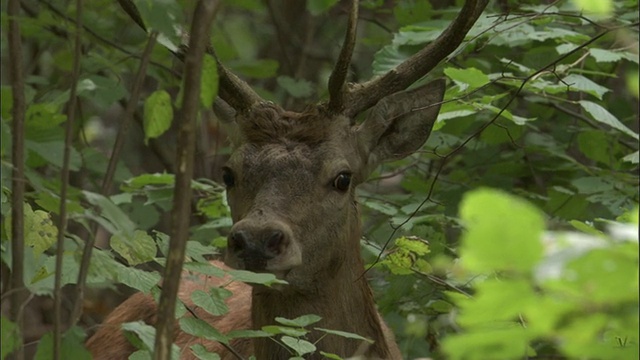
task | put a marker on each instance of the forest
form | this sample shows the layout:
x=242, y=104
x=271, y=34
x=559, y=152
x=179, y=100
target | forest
x=512, y=233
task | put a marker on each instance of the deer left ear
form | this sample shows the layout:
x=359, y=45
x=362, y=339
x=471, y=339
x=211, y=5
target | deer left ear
x=399, y=124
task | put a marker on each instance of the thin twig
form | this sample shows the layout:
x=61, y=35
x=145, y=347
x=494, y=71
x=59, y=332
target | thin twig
x=111, y=169
x=181, y=211
x=64, y=178
x=18, y=182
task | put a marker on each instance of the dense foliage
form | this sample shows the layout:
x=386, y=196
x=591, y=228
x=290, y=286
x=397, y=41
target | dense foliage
x=512, y=234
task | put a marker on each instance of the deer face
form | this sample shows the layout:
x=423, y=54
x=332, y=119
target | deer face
x=291, y=182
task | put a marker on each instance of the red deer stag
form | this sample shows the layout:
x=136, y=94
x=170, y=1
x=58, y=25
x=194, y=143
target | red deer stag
x=291, y=187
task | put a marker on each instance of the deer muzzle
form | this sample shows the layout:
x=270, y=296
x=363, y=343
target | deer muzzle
x=269, y=247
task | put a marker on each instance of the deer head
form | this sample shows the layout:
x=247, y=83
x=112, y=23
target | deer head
x=291, y=181
x=291, y=178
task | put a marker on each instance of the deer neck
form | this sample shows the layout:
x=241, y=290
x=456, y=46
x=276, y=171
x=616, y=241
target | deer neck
x=342, y=298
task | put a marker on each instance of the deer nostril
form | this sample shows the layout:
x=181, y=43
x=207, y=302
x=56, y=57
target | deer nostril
x=273, y=243
x=238, y=241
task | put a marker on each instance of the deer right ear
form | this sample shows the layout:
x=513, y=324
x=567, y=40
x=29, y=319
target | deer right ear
x=399, y=124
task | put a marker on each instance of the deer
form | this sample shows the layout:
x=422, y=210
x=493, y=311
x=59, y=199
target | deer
x=291, y=186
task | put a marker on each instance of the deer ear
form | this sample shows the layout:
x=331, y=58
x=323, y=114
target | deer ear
x=399, y=124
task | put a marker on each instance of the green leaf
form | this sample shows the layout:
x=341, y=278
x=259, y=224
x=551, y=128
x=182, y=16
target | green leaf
x=39, y=231
x=298, y=88
x=235, y=334
x=301, y=347
x=255, y=278
x=277, y=330
x=201, y=328
x=413, y=244
x=585, y=228
x=10, y=336
x=380, y=206
x=53, y=153
x=204, y=268
x=143, y=180
x=300, y=321
x=504, y=233
x=147, y=334
x=137, y=249
x=212, y=302
x=208, y=81
x=605, y=56
x=158, y=114
x=605, y=276
x=141, y=355
x=331, y=356
x=501, y=343
x=72, y=346
x=599, y=7
x=345, y=334
x=317, y=7
x=202, y=353
x=595, y=145
x=138, y=279
x=600, y=114
x=581, y=83
x=468, y=78
x=116, y=217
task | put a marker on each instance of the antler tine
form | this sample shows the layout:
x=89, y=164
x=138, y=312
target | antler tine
x=363, y=96
x=339, y=74
x=234, y=91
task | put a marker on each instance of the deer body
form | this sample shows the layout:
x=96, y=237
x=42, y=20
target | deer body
x=291, y=183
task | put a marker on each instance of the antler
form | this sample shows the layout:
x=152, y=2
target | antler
x=362, y=96
x=339, y=74
x=237, y=93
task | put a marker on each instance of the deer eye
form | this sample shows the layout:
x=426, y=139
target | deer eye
x=228, y=178
x=342, y=181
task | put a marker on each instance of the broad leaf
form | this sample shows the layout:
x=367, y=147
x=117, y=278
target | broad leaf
x=201, y=328
x=600, y=114
x=504, y=233
x=301, y=347
x=158, y=114
x=301, y=321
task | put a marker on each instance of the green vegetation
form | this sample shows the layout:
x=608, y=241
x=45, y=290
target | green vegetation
x=513, y=233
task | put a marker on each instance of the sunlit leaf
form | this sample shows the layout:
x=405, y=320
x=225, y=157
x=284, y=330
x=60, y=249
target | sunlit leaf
x=503, y=232
x=602, y=115
x=208, y=81
x=158, y=114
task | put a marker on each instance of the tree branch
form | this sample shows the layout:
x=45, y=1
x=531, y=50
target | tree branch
x=17, y=179
x=180, y=214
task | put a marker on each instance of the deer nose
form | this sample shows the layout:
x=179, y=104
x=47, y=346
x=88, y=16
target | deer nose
x=256, y=246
